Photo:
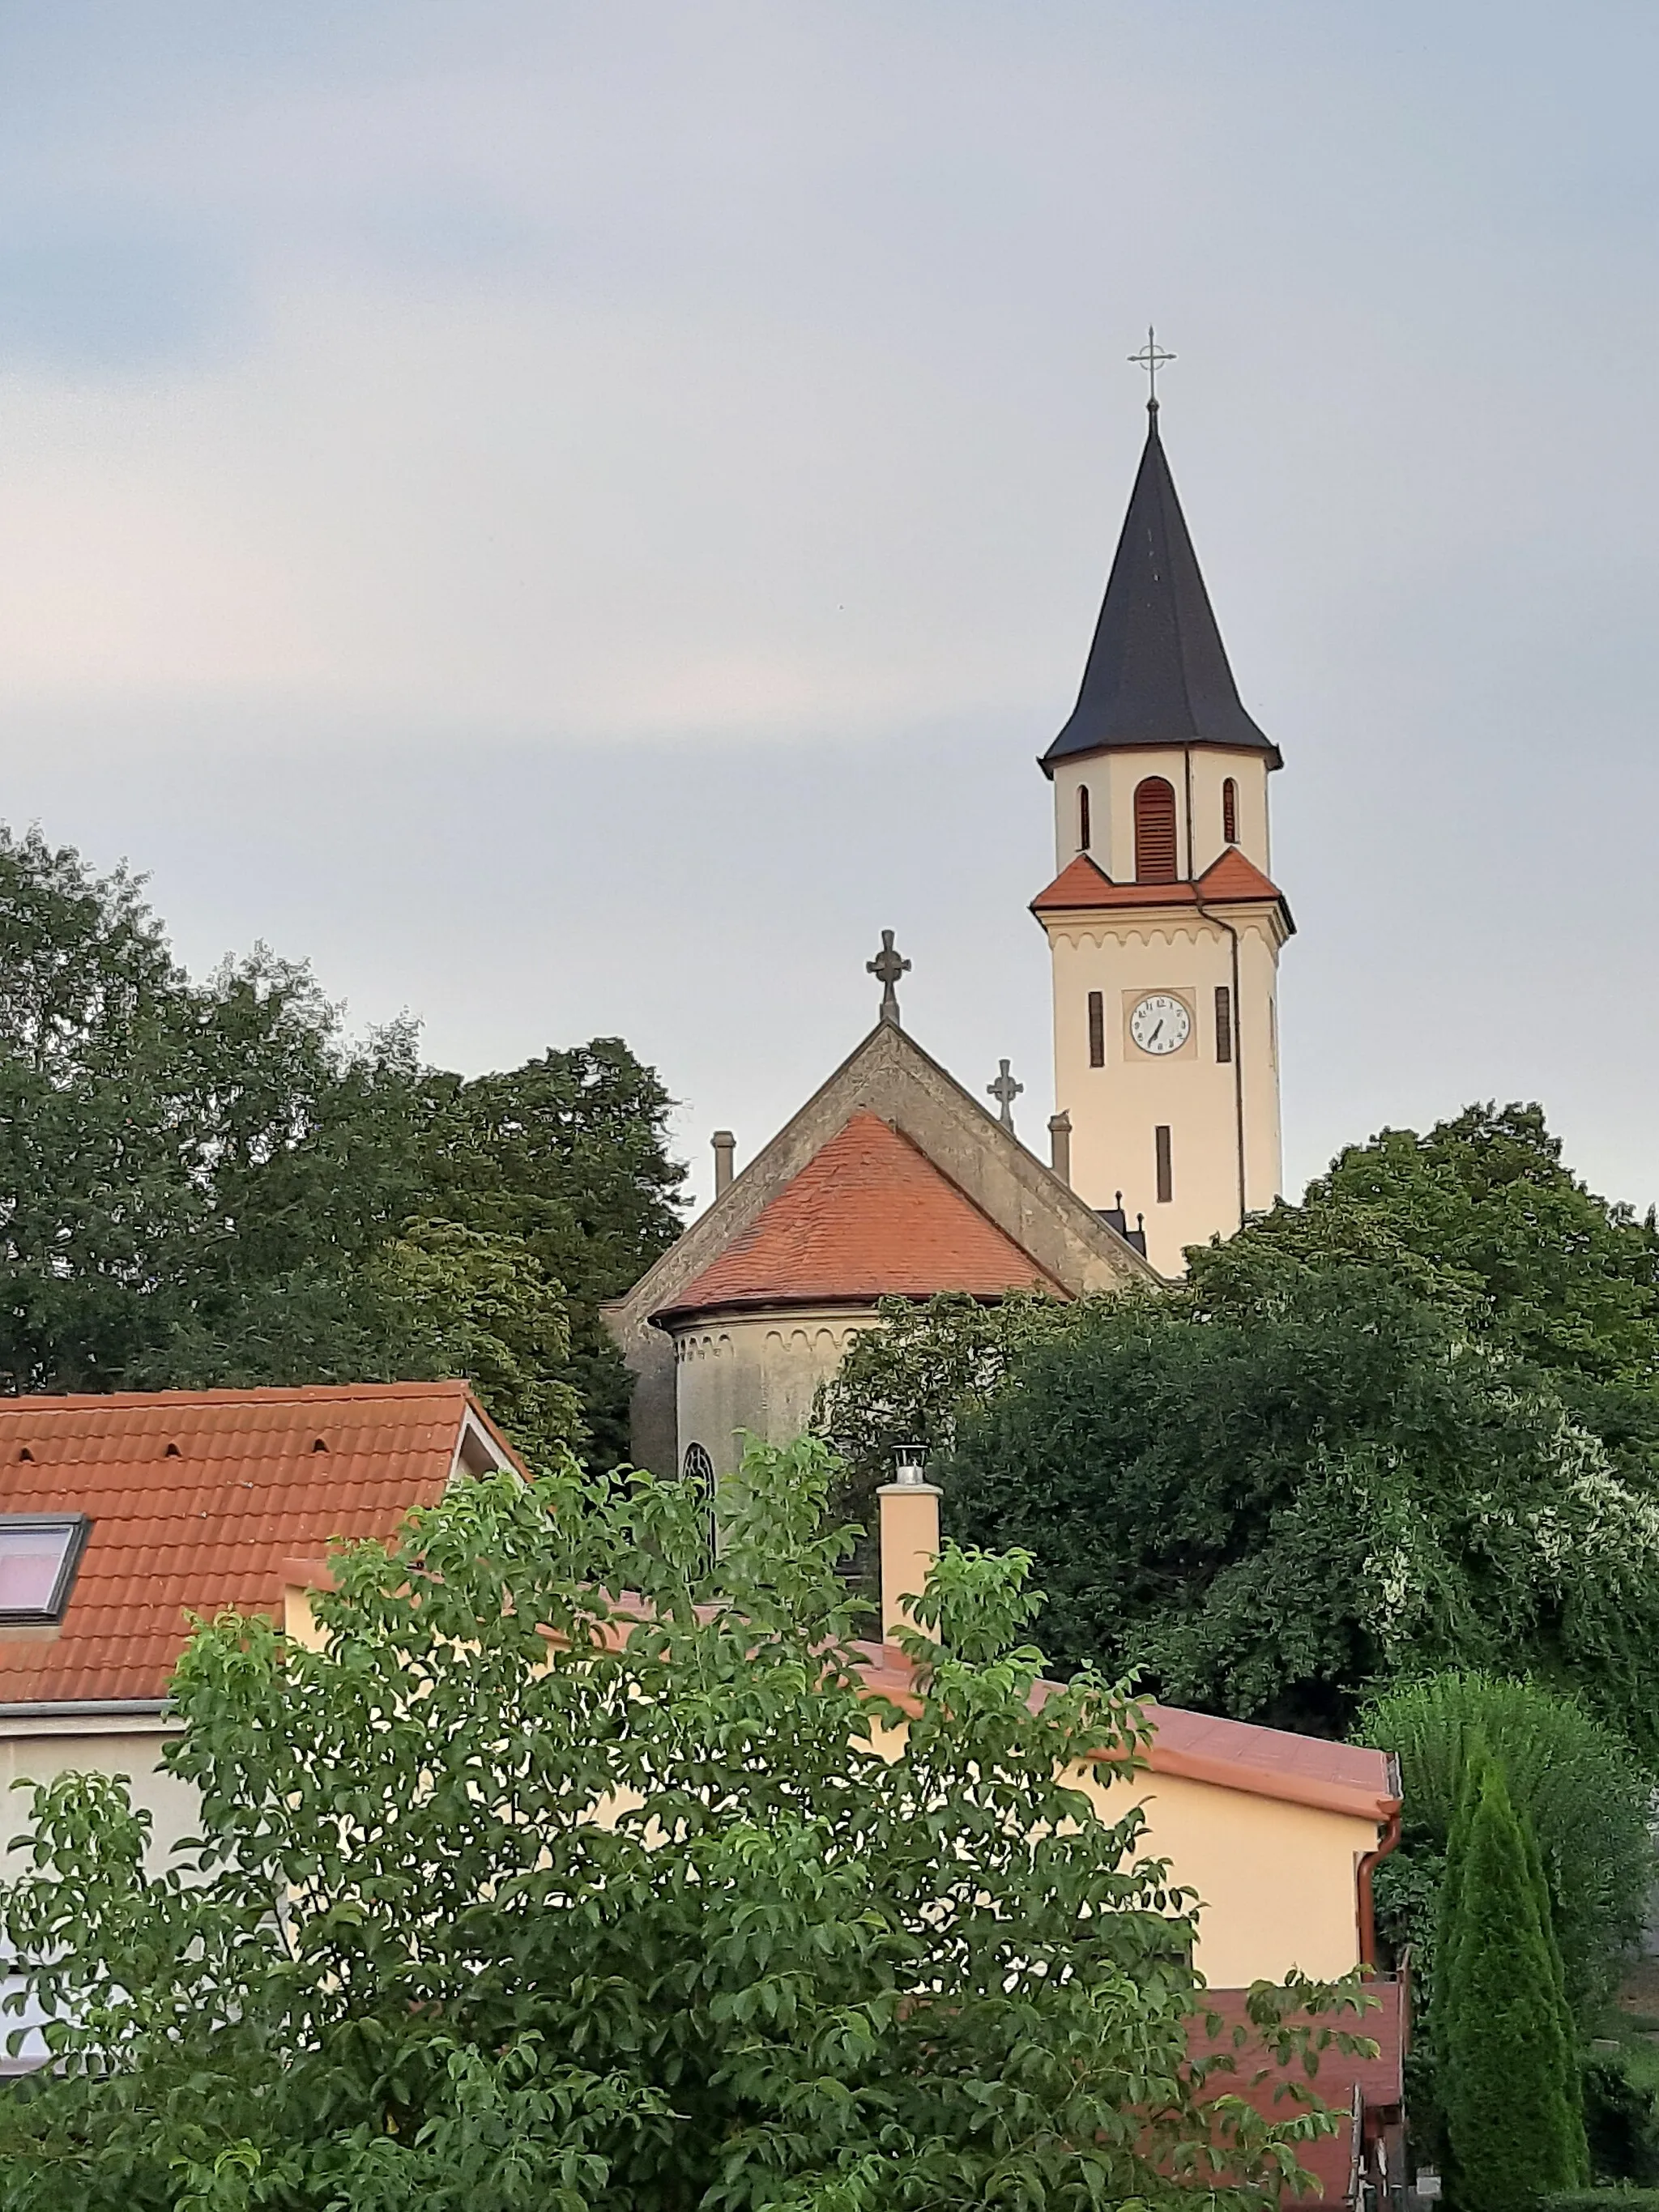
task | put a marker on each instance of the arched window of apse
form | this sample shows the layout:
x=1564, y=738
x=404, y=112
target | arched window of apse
x=1155, y=831
x=698, y=1468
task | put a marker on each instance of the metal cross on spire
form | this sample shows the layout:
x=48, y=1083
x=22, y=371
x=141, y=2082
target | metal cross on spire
x=1151, y=357
x=887, y=967
x=1004, y=1090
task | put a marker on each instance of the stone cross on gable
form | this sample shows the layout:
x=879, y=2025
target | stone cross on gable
x=1004, y=1090
x=887, y=967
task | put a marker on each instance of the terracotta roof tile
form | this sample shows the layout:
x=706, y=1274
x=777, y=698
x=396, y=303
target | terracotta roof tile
x=214, y=1527
x=1234, y=877
x=869, y=1216
x=1231, y=880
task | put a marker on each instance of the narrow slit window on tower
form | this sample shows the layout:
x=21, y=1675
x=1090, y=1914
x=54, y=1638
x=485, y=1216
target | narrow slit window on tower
x=1097, y=1029
x=1082, y=830
x=1155, y=830
x=1224, y=1022
x=1228, y=811
x=1165, y=1175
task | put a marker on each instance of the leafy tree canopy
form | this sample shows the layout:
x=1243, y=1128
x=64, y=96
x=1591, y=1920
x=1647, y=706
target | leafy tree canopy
x=787, y=1968
x=1276, y=1494
x=209, y=1183
x=1410, y=1425
x=1483, y=1210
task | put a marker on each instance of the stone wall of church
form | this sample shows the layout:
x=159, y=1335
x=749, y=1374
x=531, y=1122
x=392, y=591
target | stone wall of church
x=756, y=1373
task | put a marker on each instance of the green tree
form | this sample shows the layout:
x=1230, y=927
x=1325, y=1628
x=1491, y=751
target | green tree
x=498, y=1318
x=787, y=1968
x=210, y=1183
x=1566, y=1284
x=1283, y=1483
x=910, y=1381
x=569, y=1154
x=1581, y=1793
x=1508, y=2067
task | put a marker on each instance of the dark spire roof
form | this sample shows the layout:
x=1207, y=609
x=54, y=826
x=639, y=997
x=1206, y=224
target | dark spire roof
x=1157, y=670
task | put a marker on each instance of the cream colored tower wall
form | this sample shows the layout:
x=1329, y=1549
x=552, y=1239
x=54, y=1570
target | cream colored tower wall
x=1116, y=1109
x=1111, y=781
x=756, y=1373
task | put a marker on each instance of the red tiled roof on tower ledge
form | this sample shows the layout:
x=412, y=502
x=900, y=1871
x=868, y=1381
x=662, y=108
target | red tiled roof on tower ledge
x=1231, y=880
x=869, y=1216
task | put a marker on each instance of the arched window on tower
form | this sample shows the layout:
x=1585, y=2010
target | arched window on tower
x=1083, y=817
x=1155, y=830
x=1228, y=811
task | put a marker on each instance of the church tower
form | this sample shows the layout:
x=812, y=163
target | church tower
x=1163, y=923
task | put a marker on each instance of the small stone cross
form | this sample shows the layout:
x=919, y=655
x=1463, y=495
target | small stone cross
x=887, y=967
x=1004, y=1090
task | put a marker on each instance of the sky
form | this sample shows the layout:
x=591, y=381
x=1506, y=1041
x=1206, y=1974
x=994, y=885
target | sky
x=572, y=519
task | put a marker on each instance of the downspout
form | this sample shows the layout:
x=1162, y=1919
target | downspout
x=1368, y=1866
x=1236, y=1011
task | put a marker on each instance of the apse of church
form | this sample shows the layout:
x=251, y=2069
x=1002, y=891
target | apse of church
x=1163, y=923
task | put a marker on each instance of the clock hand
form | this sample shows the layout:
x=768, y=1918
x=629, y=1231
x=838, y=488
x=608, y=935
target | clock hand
x=1158, y=1032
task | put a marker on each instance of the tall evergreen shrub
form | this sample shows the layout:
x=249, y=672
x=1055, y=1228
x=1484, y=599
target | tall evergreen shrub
x=1579, y=1790
x=1508, y=2065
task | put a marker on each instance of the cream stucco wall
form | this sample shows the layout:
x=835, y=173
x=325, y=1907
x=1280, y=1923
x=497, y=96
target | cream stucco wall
x=1116, y=1109
x=1124, y=953
x=756, y=1373
x=1197, y=772
x=40, y=1750
x=1277, y=1882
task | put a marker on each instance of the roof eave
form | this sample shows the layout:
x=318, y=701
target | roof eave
x=1248, y=749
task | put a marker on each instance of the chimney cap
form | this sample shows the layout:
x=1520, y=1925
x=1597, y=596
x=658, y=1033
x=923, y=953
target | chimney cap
x=910, y=1466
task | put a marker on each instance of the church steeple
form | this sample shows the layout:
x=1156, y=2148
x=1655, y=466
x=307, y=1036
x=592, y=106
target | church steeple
x=1157, y=672
x=1163, y=922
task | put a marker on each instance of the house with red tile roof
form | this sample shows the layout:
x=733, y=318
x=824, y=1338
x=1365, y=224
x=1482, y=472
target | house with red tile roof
x=1277, y=1835
x=891, y=1182
x=123, y=1517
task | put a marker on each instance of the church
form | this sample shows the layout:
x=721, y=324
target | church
x=1164, y=927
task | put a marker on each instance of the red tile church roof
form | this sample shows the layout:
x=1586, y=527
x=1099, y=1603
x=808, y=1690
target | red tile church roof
x=198, y=1500
x=869, y=1216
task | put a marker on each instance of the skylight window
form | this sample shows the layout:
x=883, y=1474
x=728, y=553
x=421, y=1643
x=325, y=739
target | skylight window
x=39, y=1555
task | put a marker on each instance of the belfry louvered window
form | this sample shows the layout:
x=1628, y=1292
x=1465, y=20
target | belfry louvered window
x=1228, y=811
x=1224, y=1022
x=1097, y=1029
x=1083, y=827
x=1155, y=831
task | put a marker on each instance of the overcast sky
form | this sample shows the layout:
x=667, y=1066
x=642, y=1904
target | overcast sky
x=574, y=517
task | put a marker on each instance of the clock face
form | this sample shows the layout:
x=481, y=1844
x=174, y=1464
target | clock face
x=1160, y=1024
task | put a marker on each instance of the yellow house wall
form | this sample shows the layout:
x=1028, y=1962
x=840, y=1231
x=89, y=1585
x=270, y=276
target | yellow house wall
x=1277, y=1882
x=756, y=1373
